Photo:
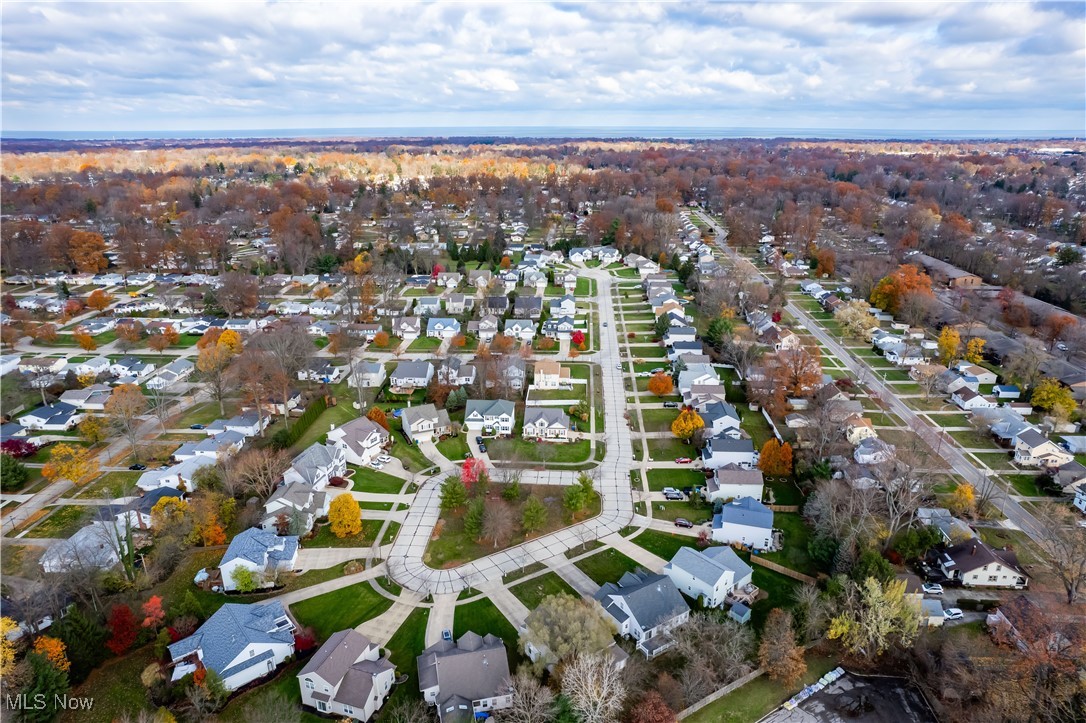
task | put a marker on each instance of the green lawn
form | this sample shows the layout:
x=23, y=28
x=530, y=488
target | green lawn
x=367, y=479
x=455, y=447
x=404, y=647
x=337, y=415
x=796, y=536
x=1025, y=484
x=483, y=617
x=578, y=392
x=974, y=440
x=325, y=538
x=206, y=414
x=662, y=544
x=246, y=707
x=778, y=588
x=606, y=566
x=694, y=509
x=424, y=343
x=412, y=457
x=115, y=688
x=659, y=420
x=950, y=420
x=517, y=448
x=531, y=592
x=677, y=478
x=62, y=522
x=754, y=424
x=1014, y=539
x=669, y=449
x=995, y=460
x=113, y=484
x=760, y=696
x=340, y=609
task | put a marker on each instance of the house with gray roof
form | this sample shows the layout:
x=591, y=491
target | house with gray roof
x=94, y=546
x=172, y=373
x=491, y=416
x=646, y=607
x=549, y=423
x=732, y=482
x=744, y=521
x=294, y=508
x=362, y=440
x=952, y=528
x=214, y=448
x=315, y=465
x=411, y=375
x=467, y=679
x=484, y=329
x=368, y=375
x=523, y=329
x=721, y=451
x=239, y=642
x=347, y=677
x=425, y=422
x=264, y=554
x=711, y=574
x=442, y=327
x=528, y=307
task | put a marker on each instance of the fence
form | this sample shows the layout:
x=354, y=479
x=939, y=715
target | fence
x=720, y=693
x=786, y=571
x=784, y=508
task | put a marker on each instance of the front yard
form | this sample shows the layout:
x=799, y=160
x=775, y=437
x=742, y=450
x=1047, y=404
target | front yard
x=606, y=566
x=518, y=449
x=344, y=608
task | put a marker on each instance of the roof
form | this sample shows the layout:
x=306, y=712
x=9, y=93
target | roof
x=730, y=474
x=473, y=667
x=412, y=370
x=488, y=407
x=971, y=554
x=357, y=430
x=745, y=511
x=311, y=459
x=710, y=565
x=259, y=547
x=1032, y=438
x=652, y=599
x=230, y=630
x=550, y=415
x=144, y=504
x=338, y=653
x=727, y=444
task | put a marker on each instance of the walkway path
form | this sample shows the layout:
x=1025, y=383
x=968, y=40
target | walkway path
x=441, y=617
x=635, y=552
x=381, y=628
x=510, y=606
x=572, y=574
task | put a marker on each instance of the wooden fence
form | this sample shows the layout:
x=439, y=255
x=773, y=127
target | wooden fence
x=786, y=571
x=784, y=508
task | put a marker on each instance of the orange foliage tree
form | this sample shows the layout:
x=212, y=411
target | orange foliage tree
x=894, y=287
x=776, y=458
x=99, y=300
x=377, y=415
x=661, y=384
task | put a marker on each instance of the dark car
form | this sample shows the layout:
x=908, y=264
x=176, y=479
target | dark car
x=137, y=467
x=683, y=522
x=196, y=426
x=482, y=448
x=478, y=440
x=671, y=405
x=673, y=495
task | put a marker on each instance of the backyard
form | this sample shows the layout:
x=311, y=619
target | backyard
x=606, y=566
x=347, y=607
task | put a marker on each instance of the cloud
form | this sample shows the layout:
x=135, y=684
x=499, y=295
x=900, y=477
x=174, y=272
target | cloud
x=235, y=65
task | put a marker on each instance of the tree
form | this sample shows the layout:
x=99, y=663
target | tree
x=594, y=687
x=577, y=338
x=53, y=650
x=244, y=580
x=153, y=614
x=47, y=684
x=533, y=702
x=686, y=424
x=533, y=516
x=1064, y=544
x=123, y=410
x=83, y=638
x=86, y=341
x=963, y=500
x=122, y=629
x=661, y=384
x=1055, y=326
x=498, y=522
x=345, y=516
x=7, y=647
x=562, y=626
x=13, y=474
x=168, y=512
x=213, y=363
x=721, y=646
x=1053, y=397
x=70, y=462
x=453, y=494
x=776, y=458
x=473, y=518
x=99, y=300
x=652, y=708
x=378, y=416
x=950, y=345
x=974, y=350
x=381, y=339
x=239, y=292
x=256, y=471
x=873, y=617
x=825, y=261
x=892, y=288
x=574, y=500
x=472, y=471
x=18, y=448
x=231, y=341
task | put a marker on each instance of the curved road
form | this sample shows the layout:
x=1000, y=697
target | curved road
x=405, y=560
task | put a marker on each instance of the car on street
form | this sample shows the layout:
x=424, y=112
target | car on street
x=683, y=522
x=196, y=426
x=671, y=405
x=683, y=460
x=137, y=467
x=932, y=588
x=953, y=614
x=668, y=489
x=1061, y=346
x=605, y=325
x=384, y=458
x=618, y=366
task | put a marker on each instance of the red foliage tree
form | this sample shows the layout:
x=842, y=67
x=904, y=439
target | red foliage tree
x=153, y=614
x=18, y=448
x=577, y=337
x=652, y=708
x=123, y=629
x=471, y=470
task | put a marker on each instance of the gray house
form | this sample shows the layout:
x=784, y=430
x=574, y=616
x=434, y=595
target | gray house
x=347, y=677
x=411, y=374
x=425, y=422
x=466, y=678
x=645, y=607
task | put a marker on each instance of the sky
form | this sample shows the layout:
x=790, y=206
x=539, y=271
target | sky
x=1015, y=67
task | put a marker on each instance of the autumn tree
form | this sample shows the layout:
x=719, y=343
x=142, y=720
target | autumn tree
x=153, y=614
x=778, y=653
x=798, y=370
x=562, y=626
x=122, y=629
x=213, y=363
x=498, y=522
x=158, y=342
x=661, y=384
x=256, y=471
x=169, y=513
x=1053, y=397
x=652, y=708
x=231, y=341
x=378, y=416
x=71, y=462
x=239, y=292
x=906, y=279
x=381, y=339
x=123, y=410
x=775, y=458
x=345, y=516
x=963, y=500
x=99, y=300
x=873, y=617
x=950, y=345
x=7, y=647
x=86, y=341
x=974, y=350
x=54, y=650
x=687, y=424
x=1064, y=544
x=1055, y=327
x=825, y=261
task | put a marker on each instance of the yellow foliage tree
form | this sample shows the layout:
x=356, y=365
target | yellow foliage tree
x=92, y=430
x=974, y=350
x=950, y=345
x=687, y=424
x=70, y=462
x=167, y=512
x=54, y=650
x=1053, y=397
x=86, y=341
x=231, y=340
x=7, y=648
x=345, y=516
x=963, y=500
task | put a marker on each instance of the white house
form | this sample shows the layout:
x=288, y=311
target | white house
x=171, y=374
x=55, y=417
x=564, y=306
x=492, y=416
x=1033, y=449
x=264, y=555
x=347, y=677
x=733, y=482
x=178, y=476
x=9, y=363
x=982, y=375
x=130, y=366
x=368, y=375
x=645, y=607
x=549, y=374
x=95, y=546
x=976, y=564
x=551, y=424
x=362, y=440
x=873, y=450
x=1079, y=501
x=969, y=400
x=239, y=642
x=523, y=329
x=721, y=451
x=317, y=464
x=466, y=679
x=411, y=375
x=440, y=327
x=746, y=522
x=407, y=328
x=710, y=574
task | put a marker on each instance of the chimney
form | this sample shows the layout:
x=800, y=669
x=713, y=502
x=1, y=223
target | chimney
x=974, y=550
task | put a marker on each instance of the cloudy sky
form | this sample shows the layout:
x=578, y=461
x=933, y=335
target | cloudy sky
x=949, y=66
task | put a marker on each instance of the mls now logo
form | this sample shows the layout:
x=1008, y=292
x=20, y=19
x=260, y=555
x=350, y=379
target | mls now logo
x=40, y=701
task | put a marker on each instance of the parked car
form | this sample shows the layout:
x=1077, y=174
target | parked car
x=657, y=370
x=953, y=614
x=618, y=366
x=376, y=464
x=384, y=458
x=196, y=426
x=673, y=496
x=668, y=489
x=446, y=634
x=683, y=460
x=137, y=467
x=683, y=522
x=644, y=374
x=482, y=448
x=671, y=405
x=605, y=325
x=932, y=588
x=478, y=440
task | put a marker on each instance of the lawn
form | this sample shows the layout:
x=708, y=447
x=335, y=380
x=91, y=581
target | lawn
x=578, y=392
x=760, y=696
x=424, y=343
x=523, y=450
x=62, y=522
x=974, y=440
x=606, y=566
x=995, y=460
x=325, y=538
x=206, y=414
x=531, y=592
x=585, y=287
x=670, y=449
x=677, y=478
x=778, y=588
x=754, y=424
x=403, y=648
x=483, y=617
x=340, y=609
x=247, y=706
x=455, y=447
x=370, y=480
x=659, y=420
x=1025, y=484
x=796, y=536
x=662, y=544
x=115, y=688
x=1016, y=540
x=112, y=484
x=694, y=509
x=412, y=457
x=950, y=420
x=337, y=415
x=785, y=491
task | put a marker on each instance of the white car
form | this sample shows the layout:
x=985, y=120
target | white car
x=953, y=614
x=932, y=588
x=376, y=464
x=384, y=459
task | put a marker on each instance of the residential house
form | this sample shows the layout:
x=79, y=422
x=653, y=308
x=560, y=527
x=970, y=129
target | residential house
x=42, y=365
x=547, y=423
x=550, y=374
x=680, y=348
x=733, y=482
x=857, y=429
x=528, y=307
x=130, y=366
x=708, y=575
x=1079, y=501
x=608, y=255
x=480, y=278
x=170, y=374
x=490, y=416
x=467, y=679
x=264, y=555
x=454, y=371
x=952, y=529
x=1006, y=391
x=239, y=642
x=559, y=327
x=872, y=450
x=1033, y=449
x=449, y=279
x=680, y=333
x=428, y=306
x=514, y=372
x=347, y=677
x=721, y=451
x=969, y=400
x=178, y=476
x=982, y=375
x=368, y=375
x=744, y=521
x=425, y=422
x=645, y=607
x=485, y=329
x=90, y=367
x=139, y=509
x=95, y=546
x=1070, y=477
x=409, y=375
x=497, y=305
x=316, y=465
x=55, y=417
x=440, y=327
x=9, y=363
x=522, y=329
x=362, y=440
x=974, y=563
x=564, y=306
x=580, y=254
x=324, y=308
x=407, y=328
x=320, y=370
x=459, y=304
x=219, y=447
x=696, y=375
x=294, y=508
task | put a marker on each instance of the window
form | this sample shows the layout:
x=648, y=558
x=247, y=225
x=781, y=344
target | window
x=252, y=653
x=993, y=578
x=348, y=710
x=308, y=684
x=322, y=706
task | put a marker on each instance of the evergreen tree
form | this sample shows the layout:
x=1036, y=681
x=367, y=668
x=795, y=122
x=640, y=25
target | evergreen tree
x=45, y=681
x=473, y=518
x=84, y=639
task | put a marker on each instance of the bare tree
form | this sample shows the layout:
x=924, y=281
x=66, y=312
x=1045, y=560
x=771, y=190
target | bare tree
x=255, y=471
x=239, y=293
x=123, y=410
x=408, y=710
x=1064, y=543
x=498, y=522
x=594, y=687
x=533, y=702
x=721, y=646
x=291, y=347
